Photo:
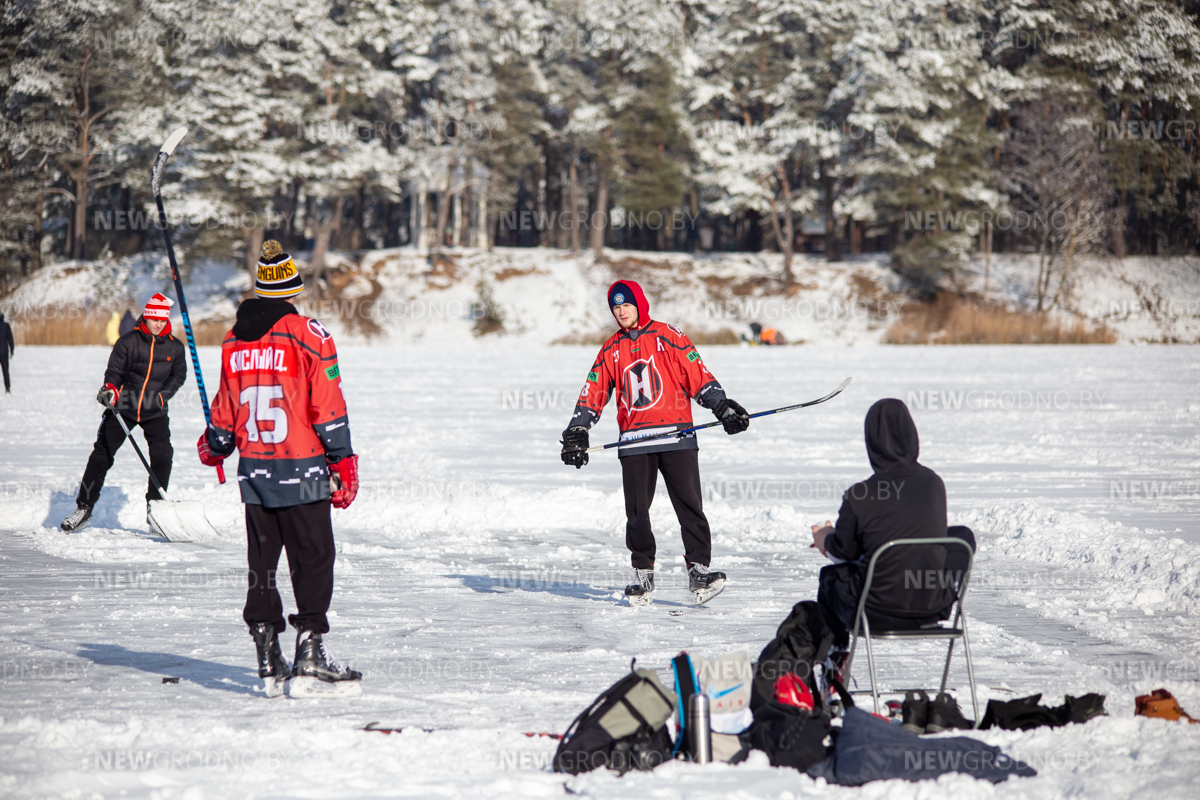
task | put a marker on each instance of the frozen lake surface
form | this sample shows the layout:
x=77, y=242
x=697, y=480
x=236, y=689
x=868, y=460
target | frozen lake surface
x=478, y=579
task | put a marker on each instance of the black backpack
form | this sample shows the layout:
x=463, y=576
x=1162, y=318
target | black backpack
x=790, y=736
x=623, y=729
x=799, y=642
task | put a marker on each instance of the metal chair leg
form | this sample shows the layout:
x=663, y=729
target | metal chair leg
x=970, y=671
x=946, y=671
x=871, y=663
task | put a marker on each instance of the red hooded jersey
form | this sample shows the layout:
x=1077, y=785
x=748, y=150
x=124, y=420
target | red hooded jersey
x=280, y=403
x=655, y=371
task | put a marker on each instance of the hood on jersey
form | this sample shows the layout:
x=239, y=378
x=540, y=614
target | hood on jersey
x=632, y=289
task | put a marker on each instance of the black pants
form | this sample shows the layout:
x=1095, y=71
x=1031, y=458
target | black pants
x=840, y=588
x=681, y=471
x=109, y=439
x=306, y=532
x=4, y=368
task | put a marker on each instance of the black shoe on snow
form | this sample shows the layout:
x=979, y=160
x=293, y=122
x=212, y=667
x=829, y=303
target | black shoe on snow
x=273, y=668
x=915, y=712
x=79, y=519
x=704, y=585
x=317, y=672
x=944, y=715
x=641, y=591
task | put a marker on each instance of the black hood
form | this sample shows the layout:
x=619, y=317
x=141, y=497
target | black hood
x=891, y=436
x=256, y=316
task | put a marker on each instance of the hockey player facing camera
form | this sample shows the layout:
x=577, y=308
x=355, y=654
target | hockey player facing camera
x=280, y=404
x=656, y=373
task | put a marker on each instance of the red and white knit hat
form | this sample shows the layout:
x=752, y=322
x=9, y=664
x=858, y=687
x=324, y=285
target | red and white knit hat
x=158, y=307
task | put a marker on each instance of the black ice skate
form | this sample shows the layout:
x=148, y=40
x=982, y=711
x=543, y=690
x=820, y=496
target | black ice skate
x=641, y=591
x=704, y=585
x=79, y=519
x=317, y=672
x=273, y=668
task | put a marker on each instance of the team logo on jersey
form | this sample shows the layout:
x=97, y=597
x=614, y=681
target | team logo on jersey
x=318, y=329
x=641, y=385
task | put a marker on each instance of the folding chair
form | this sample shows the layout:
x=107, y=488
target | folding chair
x=956, y=631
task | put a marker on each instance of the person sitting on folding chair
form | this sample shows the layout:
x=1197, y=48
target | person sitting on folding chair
x=912, y=587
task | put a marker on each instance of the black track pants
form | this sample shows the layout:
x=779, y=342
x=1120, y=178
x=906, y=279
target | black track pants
x=681, y=471
x=109, y=439
x=4, y=368
x=306, y=532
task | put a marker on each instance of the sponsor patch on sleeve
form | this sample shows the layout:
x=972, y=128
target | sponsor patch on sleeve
x=333, y=373
x=693, y=356
x=593, y=377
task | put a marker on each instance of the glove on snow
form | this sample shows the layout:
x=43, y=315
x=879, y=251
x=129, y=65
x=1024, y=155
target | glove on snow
x=733, y=417
x=206, y=455
x=107, y=396
x=344, y=475
x=575, y=443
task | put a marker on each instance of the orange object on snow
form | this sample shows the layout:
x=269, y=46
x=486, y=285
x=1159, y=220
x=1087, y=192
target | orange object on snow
x=1161, y=703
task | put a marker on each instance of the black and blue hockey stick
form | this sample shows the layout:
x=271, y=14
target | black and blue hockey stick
x=160, y=164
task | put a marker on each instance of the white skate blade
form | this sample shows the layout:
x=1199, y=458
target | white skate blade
x=306, y=686
x=273, y=687
x=180, y=521
x=704, y=595
x=640, y=600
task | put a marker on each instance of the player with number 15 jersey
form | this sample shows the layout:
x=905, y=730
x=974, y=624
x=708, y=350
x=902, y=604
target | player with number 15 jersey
x=280, y=405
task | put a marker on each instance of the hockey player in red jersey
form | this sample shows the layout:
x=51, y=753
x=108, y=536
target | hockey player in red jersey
x=655, y=372
x=280, y=404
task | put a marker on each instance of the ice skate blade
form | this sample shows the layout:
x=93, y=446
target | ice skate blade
x=639, y=600
x=704, y=595
x=305, y=686
x=273, y=687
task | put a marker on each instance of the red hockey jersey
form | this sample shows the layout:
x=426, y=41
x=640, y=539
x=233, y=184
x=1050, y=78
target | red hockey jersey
x=280, y=404
x=656, y=372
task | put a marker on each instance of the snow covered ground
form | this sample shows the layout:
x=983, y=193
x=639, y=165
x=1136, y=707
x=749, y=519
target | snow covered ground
x=547, y=296
x=478, y=578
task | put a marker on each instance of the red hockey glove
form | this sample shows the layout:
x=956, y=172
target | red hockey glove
x=344, y=477
x=107, y=396
x=206, y=455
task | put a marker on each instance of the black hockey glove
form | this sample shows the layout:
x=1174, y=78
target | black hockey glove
x=575, y=445
x=733, y=417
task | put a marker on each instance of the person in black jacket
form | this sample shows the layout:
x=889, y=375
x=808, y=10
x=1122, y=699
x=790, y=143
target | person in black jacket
x=145, y=369
x=913, y=587
x=7, y=348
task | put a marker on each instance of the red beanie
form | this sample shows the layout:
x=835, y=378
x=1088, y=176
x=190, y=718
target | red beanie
x=158, y=307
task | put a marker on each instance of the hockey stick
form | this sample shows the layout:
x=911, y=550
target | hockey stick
x=160, y=164
x=178, y=521
x=651, y=436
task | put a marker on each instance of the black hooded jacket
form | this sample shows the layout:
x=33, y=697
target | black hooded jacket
x=901, y=500
x=148, y=370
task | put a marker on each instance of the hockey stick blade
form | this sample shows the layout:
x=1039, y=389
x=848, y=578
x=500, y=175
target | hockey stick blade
x=160, y=161
x=666, y=434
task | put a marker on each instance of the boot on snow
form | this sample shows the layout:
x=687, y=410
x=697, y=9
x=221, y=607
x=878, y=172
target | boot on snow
x=317, y=672
x=80, y=518
x=914, y=713
x=273, y=668
x=944, y=715
x=641, y=591
x=703, y=584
